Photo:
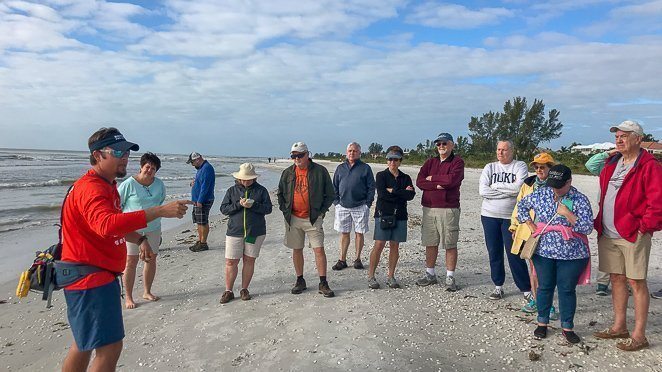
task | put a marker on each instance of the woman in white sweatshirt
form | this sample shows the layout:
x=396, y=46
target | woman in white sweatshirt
x=499, y=185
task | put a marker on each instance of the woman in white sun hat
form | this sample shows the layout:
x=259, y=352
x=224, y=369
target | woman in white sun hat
x=246, y=203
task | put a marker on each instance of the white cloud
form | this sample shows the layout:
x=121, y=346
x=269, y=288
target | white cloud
x=455, y=16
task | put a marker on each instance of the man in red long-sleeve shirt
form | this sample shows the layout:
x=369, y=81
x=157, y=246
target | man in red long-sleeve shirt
x=440, y=179
x=94, y=233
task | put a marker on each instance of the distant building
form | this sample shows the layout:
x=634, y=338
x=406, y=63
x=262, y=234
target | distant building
x=589, y=149
x=654, y=148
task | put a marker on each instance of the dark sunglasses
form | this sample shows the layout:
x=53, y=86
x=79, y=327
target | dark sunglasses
x=297, y=156
x=393, y=159
x=441, y=143
x=117, y=153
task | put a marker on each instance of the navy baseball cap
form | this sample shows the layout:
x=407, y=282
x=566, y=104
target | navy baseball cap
x=115, y=142
x=444, y=137
x=558, y=176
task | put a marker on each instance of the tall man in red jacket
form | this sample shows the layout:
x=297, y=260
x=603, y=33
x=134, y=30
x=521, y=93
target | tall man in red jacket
x=630, y=212
x=94, y=233
x=440, y=179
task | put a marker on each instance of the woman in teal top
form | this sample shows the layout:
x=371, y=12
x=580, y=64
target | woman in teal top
x=140, y=192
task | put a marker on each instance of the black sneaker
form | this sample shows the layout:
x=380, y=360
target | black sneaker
x=299, y=287
x=201, y=247
x=325, y=290
x=540, y=332
x=194, y=246
x=358, y=264
x=571, y=337
x=339, y=265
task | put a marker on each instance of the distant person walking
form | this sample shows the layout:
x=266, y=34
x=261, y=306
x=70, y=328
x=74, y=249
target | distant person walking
x=499, y=185
x=94, y=233
x=440, y=179
x=394, y=190
x=630, y=212
x=246, y=203
x=202, y=195
x=139, y=192
x=305, y=193
x=354, y=187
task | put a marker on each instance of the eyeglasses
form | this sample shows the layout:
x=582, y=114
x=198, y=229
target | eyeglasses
x=117, y=153
x=536, y=167
x=441, y=143
x=393, y=159
x=298, y=156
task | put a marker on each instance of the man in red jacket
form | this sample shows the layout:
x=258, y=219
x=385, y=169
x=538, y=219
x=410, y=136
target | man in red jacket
x=94, y=233
x=440, y=179
x=630, y=212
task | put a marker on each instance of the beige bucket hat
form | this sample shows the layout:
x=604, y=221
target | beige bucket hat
x=246, y=172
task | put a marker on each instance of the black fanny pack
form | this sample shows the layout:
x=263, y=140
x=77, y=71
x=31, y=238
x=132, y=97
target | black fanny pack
x=67, y=273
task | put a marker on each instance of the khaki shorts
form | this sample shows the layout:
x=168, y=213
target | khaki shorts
x=154, y=240
x=440, y=225
x=619, y=256
x=236, y=248
x=296, y=233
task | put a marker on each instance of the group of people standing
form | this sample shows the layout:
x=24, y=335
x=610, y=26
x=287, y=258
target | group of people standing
x=99, y=217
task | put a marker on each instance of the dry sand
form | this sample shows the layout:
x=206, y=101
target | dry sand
x=360, y=329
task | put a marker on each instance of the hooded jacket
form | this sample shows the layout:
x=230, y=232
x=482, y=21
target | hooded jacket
x=245, y=222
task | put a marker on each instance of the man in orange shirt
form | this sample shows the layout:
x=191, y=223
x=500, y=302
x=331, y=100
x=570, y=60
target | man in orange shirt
x=305, y=193
x=94, y=233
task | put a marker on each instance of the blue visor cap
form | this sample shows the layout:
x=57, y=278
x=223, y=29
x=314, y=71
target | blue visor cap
x=115, y=142
x=444, y=137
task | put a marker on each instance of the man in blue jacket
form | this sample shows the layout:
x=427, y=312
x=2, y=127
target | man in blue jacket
x=202, y=195
x=354, y=185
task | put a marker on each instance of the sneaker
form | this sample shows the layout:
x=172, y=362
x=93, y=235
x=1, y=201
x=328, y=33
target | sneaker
x=201, y=247
x=602, y=290
x=325, y=290
x=227, y=297
x=497, y=294
x=631, y=345
x=657, y=294
x=194, y=246
x=299, y=287
x=372, y=283
x=531, y=307
x=540, y=332
x=339, y=265
x=357, y=264
x=245, y=295
x=571, y=337
x=529, y=297
x=553, y=315
x=426, y=280
x=451, y=286
x=392, y=282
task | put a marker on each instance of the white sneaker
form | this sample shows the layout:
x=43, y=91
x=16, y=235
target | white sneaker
x=497, y=294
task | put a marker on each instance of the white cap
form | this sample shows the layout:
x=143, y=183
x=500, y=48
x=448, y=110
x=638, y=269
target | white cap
x=628, y=126
x=193, y=156
x=299, y=147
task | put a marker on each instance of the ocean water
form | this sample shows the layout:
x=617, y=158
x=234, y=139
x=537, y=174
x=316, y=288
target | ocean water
x=33, y=184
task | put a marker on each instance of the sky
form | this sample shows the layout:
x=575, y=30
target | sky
x=250, y=77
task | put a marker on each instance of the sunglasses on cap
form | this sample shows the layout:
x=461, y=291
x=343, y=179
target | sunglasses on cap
x=297, y=156
x=117, y=153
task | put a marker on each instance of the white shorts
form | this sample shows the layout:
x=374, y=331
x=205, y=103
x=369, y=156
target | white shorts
x=357, y=217
x=154, y=240
x=236, y=248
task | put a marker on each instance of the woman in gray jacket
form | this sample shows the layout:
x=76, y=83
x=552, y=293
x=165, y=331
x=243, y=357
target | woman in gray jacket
x=246, y=203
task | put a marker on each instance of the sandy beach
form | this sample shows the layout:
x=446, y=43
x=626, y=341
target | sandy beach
x=410, y=329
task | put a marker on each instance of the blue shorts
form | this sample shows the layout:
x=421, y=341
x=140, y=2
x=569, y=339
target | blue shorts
x=396, y=234
x=95, y=316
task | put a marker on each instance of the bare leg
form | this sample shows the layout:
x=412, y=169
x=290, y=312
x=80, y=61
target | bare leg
x=451, y=259
x=344, y=246
x=231, y=269
x=358, y=242
x=247, y=271
x=393, y=256
x=431, y=252
x=619, y=296
x=203, y=232
x=106, y=358
x=320, y=261
x=641, y=304
x=375, y=255
x=76, y=360
x=533, y=278
x=129, y=279
x=149, y=272
x=297, y=259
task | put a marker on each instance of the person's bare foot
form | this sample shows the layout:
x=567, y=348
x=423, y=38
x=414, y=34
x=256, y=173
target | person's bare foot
x=151, y=297
x=129, y=304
